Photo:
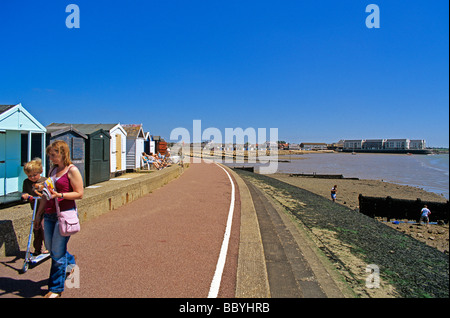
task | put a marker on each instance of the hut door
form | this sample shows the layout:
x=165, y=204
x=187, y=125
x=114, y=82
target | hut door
x=118, y=152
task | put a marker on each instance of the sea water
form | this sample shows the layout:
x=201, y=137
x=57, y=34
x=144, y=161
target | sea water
x=429, y=172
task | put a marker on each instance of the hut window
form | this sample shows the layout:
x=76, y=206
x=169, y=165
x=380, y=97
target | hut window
x=77, y=148
x=105, y=149
x=36, y=147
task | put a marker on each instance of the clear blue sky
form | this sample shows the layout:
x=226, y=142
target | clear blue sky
x=310, y=68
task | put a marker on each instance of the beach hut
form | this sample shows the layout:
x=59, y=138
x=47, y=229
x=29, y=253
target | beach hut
x=160, y=145
x=117, y=143
x=118, y=149
x=135, y=146
x=149, y=143
x=98, y=153
x=22, y=138
x=76, y=141
x=97, y=158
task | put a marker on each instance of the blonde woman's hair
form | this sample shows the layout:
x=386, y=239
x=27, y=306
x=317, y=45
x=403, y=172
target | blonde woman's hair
x=34, y=165
x=61, y=147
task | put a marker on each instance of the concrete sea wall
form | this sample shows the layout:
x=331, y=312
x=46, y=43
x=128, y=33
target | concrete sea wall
x=106, y=196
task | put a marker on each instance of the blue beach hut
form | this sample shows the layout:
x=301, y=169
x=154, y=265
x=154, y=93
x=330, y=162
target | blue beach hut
x=95, y=149
x=22, y=138
x=76, y=141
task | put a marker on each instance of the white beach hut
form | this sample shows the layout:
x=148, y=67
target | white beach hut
x=135, y=146
x=118, y=149
x=22, y=138
x=149, y=143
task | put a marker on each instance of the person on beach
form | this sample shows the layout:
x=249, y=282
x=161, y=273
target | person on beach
x=68, y=188
x=160, y=159
x=333, y=193
x=149, y=159
x=33, y=170
x=425, y=212
x=167, y=156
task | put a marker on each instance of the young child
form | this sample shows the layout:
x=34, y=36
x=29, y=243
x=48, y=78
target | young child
x=33, y=170
x=425, y=212
x=333, y=193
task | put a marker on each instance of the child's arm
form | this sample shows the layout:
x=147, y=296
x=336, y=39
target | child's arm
x=25, y=190
x=39, y=213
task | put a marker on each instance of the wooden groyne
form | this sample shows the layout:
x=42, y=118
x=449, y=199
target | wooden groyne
x=400, y=209
x=322, y=176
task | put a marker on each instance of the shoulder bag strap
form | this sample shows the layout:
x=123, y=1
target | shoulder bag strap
x=70, y=167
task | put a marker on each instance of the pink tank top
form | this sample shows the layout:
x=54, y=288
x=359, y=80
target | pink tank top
x=62, y=185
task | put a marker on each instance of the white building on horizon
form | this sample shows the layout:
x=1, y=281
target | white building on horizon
x=389, y=144
x=417, y=144
x=353, y=144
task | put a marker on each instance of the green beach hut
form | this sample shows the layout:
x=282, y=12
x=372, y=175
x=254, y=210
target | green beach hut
x=22, y=138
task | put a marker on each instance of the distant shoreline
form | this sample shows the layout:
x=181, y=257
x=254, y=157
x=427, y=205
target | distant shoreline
x=349, y=189
x=391, y=151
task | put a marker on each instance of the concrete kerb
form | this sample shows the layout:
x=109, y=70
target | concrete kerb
x=104, y=197
x=252, y=277
x=326, y=275
x=252, y=280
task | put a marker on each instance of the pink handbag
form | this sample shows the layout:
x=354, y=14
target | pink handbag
x=69, y=223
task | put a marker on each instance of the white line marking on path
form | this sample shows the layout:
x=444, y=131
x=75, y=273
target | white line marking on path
x=215, y=284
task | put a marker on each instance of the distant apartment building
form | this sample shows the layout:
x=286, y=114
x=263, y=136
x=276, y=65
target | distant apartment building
x=396, y=144
x=384, y=144
x=417, y=144
x=373, y=144
x=353, y=144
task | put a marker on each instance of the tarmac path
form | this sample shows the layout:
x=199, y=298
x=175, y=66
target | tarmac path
x=165, y=244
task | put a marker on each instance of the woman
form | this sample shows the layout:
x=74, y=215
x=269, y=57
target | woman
x=68, y=188
x=148, y=159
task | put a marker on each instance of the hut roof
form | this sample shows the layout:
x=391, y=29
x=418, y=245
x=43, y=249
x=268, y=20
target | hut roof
x=84, y=128
x=58, y=130
x=4, y=108
x=134, y=131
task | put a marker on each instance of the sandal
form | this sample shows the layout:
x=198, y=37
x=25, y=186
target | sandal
x=52, y=295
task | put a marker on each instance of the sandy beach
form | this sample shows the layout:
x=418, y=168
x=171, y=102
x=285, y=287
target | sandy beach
x=351, y=240
x=348, y=191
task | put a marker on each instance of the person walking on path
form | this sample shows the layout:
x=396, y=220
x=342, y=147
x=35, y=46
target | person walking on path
x=425, y=212
x=68, y=188
x=333, y=193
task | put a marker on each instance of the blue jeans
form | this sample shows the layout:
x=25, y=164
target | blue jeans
x=62, y=261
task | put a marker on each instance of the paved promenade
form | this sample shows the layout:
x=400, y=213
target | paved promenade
x=169, y=243
x=165, y=244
